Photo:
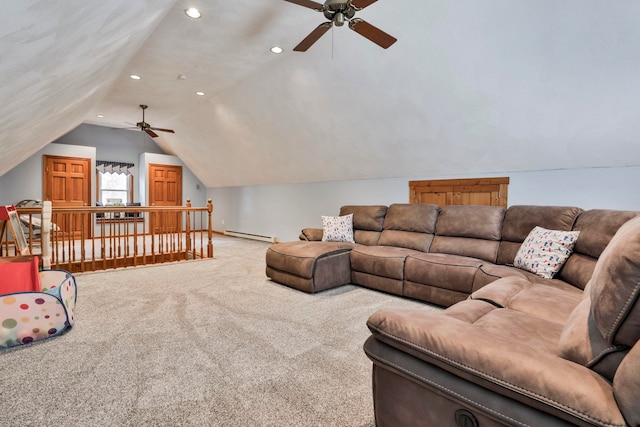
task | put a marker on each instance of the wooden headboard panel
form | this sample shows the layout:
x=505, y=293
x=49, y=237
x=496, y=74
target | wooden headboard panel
x=470, y=191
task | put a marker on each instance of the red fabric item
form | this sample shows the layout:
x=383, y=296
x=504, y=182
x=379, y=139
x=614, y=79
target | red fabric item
x=19, y=274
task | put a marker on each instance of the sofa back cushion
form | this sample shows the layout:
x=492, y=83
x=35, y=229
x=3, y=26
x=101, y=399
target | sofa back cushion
x=615, y=287
x=520, y=220
x=367, y=222
x=596, y=228
x=603, y=327
x=410, y=226
x=469, y=230
x=581, y=342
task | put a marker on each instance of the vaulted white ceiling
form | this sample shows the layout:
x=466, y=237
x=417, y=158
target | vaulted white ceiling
x=470, y=87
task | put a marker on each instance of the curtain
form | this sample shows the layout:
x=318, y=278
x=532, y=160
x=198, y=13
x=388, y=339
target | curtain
x=114, y=167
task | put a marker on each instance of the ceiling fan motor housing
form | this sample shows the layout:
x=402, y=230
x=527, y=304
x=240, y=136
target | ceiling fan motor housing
x=338, y=11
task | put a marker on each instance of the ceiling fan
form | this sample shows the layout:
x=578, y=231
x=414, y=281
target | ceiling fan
x=146, y=127
x=337, y=12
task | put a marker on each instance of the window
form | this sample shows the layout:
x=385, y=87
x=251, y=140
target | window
x=114, y=188
x=114, y=181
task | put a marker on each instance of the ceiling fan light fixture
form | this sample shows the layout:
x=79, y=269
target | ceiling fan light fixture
x=338, y=19
x=192, y=12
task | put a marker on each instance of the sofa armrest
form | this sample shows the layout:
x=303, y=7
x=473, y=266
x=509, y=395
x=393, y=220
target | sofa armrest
x=464, y=348
x=311, y=234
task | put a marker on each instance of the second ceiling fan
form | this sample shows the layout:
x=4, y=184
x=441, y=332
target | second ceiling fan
x=147, y=128
x=337, y=12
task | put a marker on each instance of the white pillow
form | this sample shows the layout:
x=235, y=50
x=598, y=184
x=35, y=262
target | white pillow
x=337, y=228
x=544, y=252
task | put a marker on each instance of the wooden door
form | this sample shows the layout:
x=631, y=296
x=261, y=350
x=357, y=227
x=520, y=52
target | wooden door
x=165, y=189
x=67, y=183
x=472, y=191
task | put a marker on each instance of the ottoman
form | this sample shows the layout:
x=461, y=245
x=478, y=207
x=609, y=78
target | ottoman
x=309, y=266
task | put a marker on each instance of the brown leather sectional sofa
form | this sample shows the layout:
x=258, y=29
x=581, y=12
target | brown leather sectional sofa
x=513, y=348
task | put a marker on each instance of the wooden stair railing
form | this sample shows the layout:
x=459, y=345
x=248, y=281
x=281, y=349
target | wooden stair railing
x=81, y=239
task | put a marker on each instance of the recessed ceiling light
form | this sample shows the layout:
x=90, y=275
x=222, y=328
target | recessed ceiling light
x=100, y=116
x=135, y=77
x=276, y=49
x=200, y=93
x=192, y=12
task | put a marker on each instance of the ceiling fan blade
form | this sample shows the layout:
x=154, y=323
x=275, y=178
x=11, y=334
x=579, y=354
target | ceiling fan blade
x=361, y=4
x=372, y=33
x=151, y=133
x=313, y=37
x=307, y=3
x=163, y=130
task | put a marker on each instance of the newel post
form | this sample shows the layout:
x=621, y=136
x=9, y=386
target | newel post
x=188, y=226
x=209, y=229
x=45, y=237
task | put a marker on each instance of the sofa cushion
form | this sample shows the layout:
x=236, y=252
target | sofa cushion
x=553, y=300
x=409, y=226
x=368, y=218
x=520, y=220
x=489, y=273
x=596, y=227
x=466, y=230
x=299, y=258
x=384, y=261
x=615, y=287
x=406, y=239
x=478, y=222
x=416, y=217
x=337, y=228
x=452, y=272
x=582, y=342
x=367, y=222
x=463, y=246
x=544, y=252
x=311, y=234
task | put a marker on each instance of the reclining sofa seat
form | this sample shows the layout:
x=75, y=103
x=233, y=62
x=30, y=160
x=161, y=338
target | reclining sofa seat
x=407, y=229
x=481, y=362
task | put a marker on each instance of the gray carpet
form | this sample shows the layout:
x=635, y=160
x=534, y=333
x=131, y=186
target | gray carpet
x=209, y=342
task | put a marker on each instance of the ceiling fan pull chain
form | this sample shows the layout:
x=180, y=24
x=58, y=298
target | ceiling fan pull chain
x=332, y=39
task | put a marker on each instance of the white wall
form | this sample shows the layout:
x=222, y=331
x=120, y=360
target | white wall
x=98, y=143
x=25, y=180
x=192, y=188
x=283, y=210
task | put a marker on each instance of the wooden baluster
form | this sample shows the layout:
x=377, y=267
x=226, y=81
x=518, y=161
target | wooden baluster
x=209, y=229
x=45, y=234
x=188, y=229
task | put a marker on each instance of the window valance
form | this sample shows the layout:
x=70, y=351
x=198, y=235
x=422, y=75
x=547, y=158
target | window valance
x=114, y=167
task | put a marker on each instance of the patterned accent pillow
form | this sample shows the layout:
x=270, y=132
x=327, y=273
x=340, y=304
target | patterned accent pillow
x=544, y=252
x=337, y=228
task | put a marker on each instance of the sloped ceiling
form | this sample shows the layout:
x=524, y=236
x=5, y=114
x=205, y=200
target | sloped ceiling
x=470, y=87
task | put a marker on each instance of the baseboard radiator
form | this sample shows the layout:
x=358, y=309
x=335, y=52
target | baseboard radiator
x=270, y=239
